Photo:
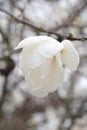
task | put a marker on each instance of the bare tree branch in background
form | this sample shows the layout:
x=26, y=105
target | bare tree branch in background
x=60, y=36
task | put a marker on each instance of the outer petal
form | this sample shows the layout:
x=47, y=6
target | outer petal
x=49, y=83
x=50, y=48
x=37, y=77
x=70, y=56
x=44, y=69
x=56, y=75
x=29, y=58
x=33, y=40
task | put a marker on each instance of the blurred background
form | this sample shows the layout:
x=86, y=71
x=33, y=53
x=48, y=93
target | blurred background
x=66, y=109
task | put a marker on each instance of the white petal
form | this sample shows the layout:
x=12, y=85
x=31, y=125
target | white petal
x=33, y=40
x=34, y=88
x=29, y=58
x=33, y=80
x=36, y=77
x=50, y=48
x=70, y=56
x=48, y=84
x=44, y=69
x=56, y=75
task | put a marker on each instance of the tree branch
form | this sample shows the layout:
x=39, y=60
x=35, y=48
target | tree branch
x=4, y=91
x=60, y=36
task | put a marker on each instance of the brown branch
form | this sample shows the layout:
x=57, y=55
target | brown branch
x=9, y=66
x=60, y=36
x=76, y=39
x=5, y=72
x=3, y=95
x=75, y=12
x=5, y=37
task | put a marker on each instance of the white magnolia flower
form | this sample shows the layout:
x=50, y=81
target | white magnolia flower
x=42, y=60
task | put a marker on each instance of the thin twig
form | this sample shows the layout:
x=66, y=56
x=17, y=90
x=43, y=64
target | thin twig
x=60, y=36
x=3, y=94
